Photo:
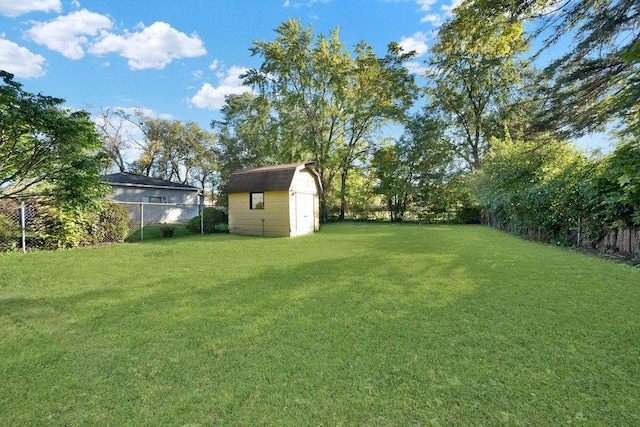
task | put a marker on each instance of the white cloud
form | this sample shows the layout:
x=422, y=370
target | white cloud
x=68, y=34
x=448, y=8
x=415, y=67
x=20, y=61
x=416, y=42
x=436, y=19
x=425, y=6
x=432, y=18
x=152, y=47
x=212, y=98
x=214, y=65
x=15, y=8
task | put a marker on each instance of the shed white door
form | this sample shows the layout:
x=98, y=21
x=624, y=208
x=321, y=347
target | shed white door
x=305, y=220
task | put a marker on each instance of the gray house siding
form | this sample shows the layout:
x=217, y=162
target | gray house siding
x=155, y=200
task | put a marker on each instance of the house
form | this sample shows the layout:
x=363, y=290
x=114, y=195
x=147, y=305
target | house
x=154, y=200
x=275, y=201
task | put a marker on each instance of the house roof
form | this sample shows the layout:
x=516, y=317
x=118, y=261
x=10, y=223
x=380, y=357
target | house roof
x=133, y=180
x=267, y=178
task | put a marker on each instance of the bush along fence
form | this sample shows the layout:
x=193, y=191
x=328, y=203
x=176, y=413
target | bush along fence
x=621, y=241
x=35, y=224
x=552, y=192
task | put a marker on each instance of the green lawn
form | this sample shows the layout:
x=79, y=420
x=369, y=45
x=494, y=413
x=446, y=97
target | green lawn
x=150, y=232
x=377, y=325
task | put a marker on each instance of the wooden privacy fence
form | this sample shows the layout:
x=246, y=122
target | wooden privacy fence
x=621, y=240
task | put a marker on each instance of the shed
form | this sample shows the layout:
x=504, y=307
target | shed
x=166, y=201
x=275, y=201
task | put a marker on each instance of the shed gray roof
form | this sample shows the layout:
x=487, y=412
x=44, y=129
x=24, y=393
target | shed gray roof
x=133, y=180
x=267, y=178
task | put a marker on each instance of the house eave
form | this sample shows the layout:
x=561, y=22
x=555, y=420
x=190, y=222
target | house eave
x=157, y=187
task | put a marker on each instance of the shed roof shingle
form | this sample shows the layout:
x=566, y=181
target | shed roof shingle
x=267, y=178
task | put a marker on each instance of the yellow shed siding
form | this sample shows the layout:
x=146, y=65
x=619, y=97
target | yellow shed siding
x=291, y=212
x=272, y=221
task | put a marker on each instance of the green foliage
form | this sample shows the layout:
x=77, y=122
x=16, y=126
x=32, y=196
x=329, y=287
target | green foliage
x=316, y=101
x=596, y=82
x=549, y=186
x=43, y=145
x=615, y=190
x=56, y=228
x=470, y=214
x=173, y=150
x=363, y=203
x=213, y=220
x=414, y=173
x=113, y=223
x=247, y=136
x=9, y=232
x=61, y=228
x=475, y=72
x=535, y=185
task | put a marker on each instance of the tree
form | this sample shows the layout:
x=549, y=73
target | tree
x=173, y=150
x=539, y=184
x=597, y=80
x=248, y=136
x=476, y=71
x=111, y=125
x=45, y=145
x=327, y=103
x=414, y=171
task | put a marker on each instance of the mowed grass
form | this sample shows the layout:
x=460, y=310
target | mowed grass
x=377, y=325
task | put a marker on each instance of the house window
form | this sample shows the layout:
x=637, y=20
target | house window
x=256, y=200
x=154, y=199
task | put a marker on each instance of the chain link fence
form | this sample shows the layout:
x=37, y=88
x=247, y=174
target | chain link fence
x=32, y=224
x=17, y=227
x=143, y=215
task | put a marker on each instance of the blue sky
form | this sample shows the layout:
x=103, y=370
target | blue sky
x=179, y=58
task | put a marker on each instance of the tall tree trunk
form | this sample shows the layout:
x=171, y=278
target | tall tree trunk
x=343, y=193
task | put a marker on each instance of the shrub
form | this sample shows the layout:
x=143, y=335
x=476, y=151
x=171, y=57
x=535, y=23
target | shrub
x=470, y=214
x=113, y=222
x=167, y=231
x=58, y=228
x=213, y=218
x=8, y=233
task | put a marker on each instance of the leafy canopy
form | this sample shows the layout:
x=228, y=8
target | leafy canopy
x=46, y=146
x=316, y=100
x=476, y=71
